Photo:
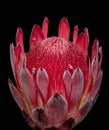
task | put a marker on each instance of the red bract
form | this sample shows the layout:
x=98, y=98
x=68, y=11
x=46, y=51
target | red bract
x=57, y=81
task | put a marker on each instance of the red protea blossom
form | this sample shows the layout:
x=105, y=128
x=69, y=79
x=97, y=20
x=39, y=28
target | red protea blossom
x=57, y=81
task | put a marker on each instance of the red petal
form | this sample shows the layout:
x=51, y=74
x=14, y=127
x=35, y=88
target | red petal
x=97, y=84
x=94, y=69
x=43, y=82
x=101, y=56
x=13, y=59
x=77, y=86
x=83, y=42
x=67, y=81
x=95, y=49
x=36, y=36
x=57, y=107
x=75, y=34
x=45, y=27
x=64, y=29
x=18, y=52
x=16, y=95
x=28, y=87
x=19, y=37
x=86, y=36
x=16, y=57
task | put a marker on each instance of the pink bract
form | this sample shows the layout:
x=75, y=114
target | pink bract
x=57, y=82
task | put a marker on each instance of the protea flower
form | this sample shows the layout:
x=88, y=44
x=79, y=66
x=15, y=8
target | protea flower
x=57, y=81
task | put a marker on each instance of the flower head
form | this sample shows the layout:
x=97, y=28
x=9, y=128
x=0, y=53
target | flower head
x=57, y=82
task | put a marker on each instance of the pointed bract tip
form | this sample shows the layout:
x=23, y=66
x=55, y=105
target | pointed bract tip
x=64, y=19
x=42, y=73
x=46, y=19
x=36, y=35
x=96, y=41
x=19, y=30
x=101, y=50
x=10, y=84
x=78, y=70
x=56, y=96
x=78, y=74
x=19, y=36
x=9, y=81
x=86, y=30
x=45, y=25
x=76, y=27
x=75, y=34
x=64, y=29
x=66, y=73
x=11, y=46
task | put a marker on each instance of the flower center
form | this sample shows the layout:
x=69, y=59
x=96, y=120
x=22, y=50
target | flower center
x=56, y=55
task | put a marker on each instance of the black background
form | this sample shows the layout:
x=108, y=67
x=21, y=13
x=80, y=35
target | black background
x=94, y=16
